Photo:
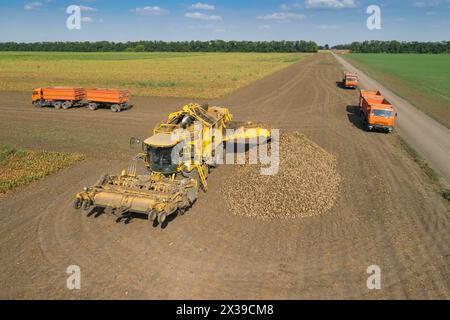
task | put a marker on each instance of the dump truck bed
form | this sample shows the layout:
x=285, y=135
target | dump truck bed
x=372, y=98
x=63, y=93
x=116, y=96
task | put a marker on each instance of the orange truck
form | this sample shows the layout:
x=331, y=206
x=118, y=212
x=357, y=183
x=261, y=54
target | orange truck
x=350, y=80
x=58, y=97
x=116, y=100
x=376, y=112
x=66, y=97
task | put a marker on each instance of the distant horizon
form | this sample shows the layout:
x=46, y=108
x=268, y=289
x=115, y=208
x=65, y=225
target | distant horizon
x=331, y=22
x=174, y=41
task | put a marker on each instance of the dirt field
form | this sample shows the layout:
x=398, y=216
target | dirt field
x=389, y=214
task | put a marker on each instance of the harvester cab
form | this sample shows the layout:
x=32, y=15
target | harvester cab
x=178, y=157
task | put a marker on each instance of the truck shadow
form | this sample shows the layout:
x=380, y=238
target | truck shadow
x=340, y=84
x=354, y=118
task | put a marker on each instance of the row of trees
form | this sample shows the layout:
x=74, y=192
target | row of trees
x=162, y=46
x=396, y=47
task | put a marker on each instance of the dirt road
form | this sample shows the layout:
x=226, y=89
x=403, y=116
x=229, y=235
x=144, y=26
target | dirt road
x=430, y=138
x=388, y=214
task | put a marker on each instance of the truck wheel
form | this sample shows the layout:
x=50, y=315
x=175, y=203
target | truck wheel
x=66, y=105
x=364, y=123
x=38, y=104
x=93, y=106
x=57, y=105
x=115, y=108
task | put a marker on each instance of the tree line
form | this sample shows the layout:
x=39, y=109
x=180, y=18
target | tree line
x=162, y=46
x=396, y=47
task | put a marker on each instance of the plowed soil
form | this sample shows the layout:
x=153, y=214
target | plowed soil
x=388, y=213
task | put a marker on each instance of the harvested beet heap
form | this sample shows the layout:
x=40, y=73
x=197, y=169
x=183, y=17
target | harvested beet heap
x=306, y=184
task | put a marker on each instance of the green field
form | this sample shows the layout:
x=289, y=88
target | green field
x=422, y=79
x=20, y=167
x=188, y=75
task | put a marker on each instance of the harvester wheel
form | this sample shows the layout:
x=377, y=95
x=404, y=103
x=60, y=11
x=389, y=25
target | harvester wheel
x=152, y=216
x=162, y=217
x=86, y=205
x=77, y=204
x=66, y=105
x=37, y=104
x=93, y=106
x=57, y=105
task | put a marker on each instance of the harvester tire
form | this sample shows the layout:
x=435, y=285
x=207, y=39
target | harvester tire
x=66, y=105
x=57, y=105
x=77, y=204
x=37, y=104
x=152, y=216
x=162, y=217
x=93, y=106
x=86, y=205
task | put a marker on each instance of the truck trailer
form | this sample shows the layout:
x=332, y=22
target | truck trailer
x=67, y=97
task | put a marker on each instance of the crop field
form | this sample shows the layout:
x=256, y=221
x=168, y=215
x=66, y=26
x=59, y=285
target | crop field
x=420, y=78
x=20, y=167
x=187, y=75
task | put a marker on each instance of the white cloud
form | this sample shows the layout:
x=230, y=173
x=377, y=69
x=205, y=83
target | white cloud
x=202, y=16
x=425, y=3
x=429, y=3
x=202, y=6
x=146, y=11
x=286, y=16
x=264, y=27
x=219, y=30
x=327, y=27
x=33, y=5
x=284, y=7
x=87, y=9
x=86, y=19
x=330, y=4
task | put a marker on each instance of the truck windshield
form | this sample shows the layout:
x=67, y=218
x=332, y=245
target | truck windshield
x=161, y=160
x=382, y=113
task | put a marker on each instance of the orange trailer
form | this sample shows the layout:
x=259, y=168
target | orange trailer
x=376, y=112
x=58, y=97
x=115, y=99
x=66, y=97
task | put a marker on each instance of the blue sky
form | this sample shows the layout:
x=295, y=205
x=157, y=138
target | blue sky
x=323, y=21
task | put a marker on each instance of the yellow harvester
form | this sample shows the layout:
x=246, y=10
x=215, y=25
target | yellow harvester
x=172, y=183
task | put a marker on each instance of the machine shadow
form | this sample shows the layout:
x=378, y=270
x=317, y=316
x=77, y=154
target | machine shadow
x=128, y=217
x=353, y=116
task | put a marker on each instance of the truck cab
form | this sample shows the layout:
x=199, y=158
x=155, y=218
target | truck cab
x=377, y=112
x=350, y=80
x=37, y=94
x=381, y=117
